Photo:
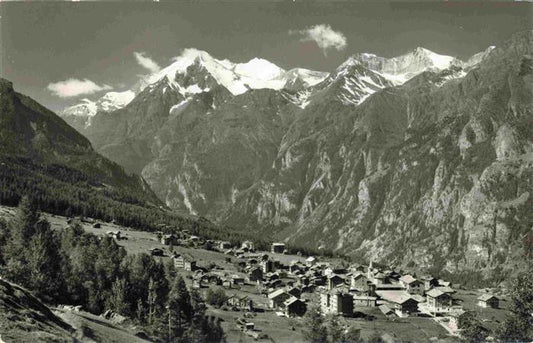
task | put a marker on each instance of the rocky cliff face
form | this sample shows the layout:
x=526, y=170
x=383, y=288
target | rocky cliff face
x=435, y=171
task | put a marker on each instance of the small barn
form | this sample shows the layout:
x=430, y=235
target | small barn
x=488, y=301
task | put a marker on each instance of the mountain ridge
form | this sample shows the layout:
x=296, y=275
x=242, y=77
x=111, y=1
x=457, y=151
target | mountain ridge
x=334, y=164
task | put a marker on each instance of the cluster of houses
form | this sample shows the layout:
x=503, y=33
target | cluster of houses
x=343, y=290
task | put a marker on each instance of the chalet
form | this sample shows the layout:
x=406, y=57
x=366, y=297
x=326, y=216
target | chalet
x=240, y=302
x=224, y=245
x=337, y=303
x=488, y=301
x=274, y=283
x=359, y=281
x=255, y=274
x=278, y=248
x=295, y=292
x=357, y=268
x=97, y=225
x=400, y=301
x=277, y=298
x=310, y=260
x=364, y=301
x=294, y=307
x=335, y=270
x=185, y=262
x=438, y=301
x=294, y=266
x=267, y=266
x=412, y=285
x=386, y=310
x=237, y=280
x=169, y=239
x=318, y=280
x=303, y=280
x=380, y=278
x=248, y=245
x=156, y=252
x=444, y=283
x=429, y=282
x=334, y=281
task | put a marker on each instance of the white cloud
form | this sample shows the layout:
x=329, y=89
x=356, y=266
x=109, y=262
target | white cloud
x=146, y=62
x=324, y=36
x=75, y=87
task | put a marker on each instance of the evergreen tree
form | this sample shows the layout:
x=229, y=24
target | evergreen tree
x=179, y=307
x=117, y=301
x=44, y=262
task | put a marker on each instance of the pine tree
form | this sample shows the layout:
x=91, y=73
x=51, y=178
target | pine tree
x=44, y=262
x=179, y=307
x=117, y=300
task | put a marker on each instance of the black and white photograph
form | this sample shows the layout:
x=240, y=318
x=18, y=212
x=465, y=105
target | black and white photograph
x=272, y=171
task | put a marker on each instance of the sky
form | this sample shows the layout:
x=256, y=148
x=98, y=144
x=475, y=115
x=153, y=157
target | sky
x=61, y=52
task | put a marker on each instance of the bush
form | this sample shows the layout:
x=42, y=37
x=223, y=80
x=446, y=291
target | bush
x=216, y=298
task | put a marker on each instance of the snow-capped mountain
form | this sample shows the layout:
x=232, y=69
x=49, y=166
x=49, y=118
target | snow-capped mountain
x=402, y=68
x=196, y=71
x=238, y=78
x=86, y=109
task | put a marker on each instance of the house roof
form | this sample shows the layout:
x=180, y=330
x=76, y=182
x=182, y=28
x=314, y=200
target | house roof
x=276, y=294
x=485, y=297
x=363, y=297
x=408, y=279
x=418, y=298
x=398, y=297
x=290, y=301
x=435, y=293
x=358, y=275
x=385, y=309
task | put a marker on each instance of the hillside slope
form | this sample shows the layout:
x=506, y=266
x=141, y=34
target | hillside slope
x=23, y=318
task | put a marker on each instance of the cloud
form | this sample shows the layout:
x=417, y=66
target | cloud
x=74, y=87
x=324, y=36
x=146, y=62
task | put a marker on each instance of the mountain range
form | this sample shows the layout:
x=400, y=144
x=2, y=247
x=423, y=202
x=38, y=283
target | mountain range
x=418, y=160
